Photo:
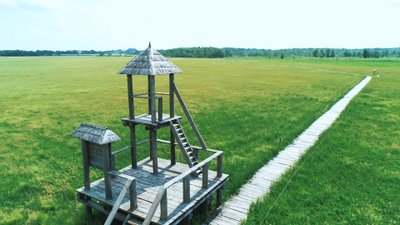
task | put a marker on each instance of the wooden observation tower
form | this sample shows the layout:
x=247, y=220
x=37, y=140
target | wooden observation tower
x=153, y=190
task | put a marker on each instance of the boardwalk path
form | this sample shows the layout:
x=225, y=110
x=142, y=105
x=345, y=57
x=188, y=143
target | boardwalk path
x=236, y=208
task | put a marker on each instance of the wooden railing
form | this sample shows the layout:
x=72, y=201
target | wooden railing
x=129, y=184
x=190, y=119
x=161, y=197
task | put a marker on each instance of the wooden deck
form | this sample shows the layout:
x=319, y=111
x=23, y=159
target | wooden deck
x=148, y=185
x=235, y=209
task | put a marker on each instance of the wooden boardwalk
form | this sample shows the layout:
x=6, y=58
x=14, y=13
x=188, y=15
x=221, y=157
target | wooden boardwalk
x=148, y=185
x=235, y=209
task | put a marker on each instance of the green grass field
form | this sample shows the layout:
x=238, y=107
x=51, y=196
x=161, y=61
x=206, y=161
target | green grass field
x=249, y=107
x=351, y=176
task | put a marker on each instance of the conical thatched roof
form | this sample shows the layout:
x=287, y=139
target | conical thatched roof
x=95, y=134
x=150, y=62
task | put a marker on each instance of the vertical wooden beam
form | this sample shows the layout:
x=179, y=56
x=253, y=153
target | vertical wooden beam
x=219, y=196
x=106, y=168
x=164, y=206
x=153, y=130
x=132, y=116
x=186, y=189
x=85, y=162
x=160, y=109
x=219, y=166
x=152, y=88
x=132, y=129
x=171, y=96
x=153, y=148
x=205, y=176
x=148, y=95
x=172, y=115
x=130, y=97
x=133, y=195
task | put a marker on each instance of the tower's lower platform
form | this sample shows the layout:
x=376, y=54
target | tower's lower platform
x=148, y=185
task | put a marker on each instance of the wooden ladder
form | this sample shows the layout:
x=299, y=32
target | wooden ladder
x=184, y=145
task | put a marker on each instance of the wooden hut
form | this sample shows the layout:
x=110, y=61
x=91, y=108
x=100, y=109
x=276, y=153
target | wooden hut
x=153, y=190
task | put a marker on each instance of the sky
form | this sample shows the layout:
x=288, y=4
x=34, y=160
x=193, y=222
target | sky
x=122, y=24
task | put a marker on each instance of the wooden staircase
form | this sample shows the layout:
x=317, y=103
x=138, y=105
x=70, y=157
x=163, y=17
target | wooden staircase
x=184, y=145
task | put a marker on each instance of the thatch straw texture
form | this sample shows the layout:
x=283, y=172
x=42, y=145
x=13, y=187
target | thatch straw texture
x=95, y=134
x=150, y=62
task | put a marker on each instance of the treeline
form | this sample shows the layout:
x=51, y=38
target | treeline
x=211, y=52
x=130, y=51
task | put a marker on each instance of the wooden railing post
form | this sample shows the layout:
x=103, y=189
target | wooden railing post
x=186, y=189
x=205, y=176
x=133, y=195
x=219, y=166
x=164, y=206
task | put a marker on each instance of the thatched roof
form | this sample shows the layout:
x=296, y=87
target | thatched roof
x=95, y=134
x=150, y=62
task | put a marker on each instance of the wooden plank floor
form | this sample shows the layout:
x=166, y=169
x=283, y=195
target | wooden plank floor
x=235, y=209
x=148, y=185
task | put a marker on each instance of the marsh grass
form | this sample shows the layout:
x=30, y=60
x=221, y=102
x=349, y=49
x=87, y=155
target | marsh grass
x=351, y=175
x=249, y=107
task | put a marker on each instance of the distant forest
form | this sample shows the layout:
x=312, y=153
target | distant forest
x=211, y=52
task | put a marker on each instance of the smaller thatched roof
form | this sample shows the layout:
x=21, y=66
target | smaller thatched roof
x=95, y=134
x=150, y=62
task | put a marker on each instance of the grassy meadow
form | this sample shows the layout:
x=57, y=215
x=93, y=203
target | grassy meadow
x=249, y=107
x=352, y=174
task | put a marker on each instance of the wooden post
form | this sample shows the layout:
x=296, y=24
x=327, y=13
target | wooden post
x=85, y=162
x=148, y=95
x=130, y=97
x=132, y=116
x=153, y=148
x=205, y=176
x=219, y=166
x=88, y=210
x=219, y=196
x=171, y=96
x=186, y=189
x=133, y=146
x=160, y=109
x=172, y=115
x=153, y=130
x=106, y=168
x=152, y=90
x=133, y=195
x=172, y=147
x=164, y=206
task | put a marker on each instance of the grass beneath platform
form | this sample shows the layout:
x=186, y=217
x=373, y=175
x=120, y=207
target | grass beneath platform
x=351, y=176
x=249, y=107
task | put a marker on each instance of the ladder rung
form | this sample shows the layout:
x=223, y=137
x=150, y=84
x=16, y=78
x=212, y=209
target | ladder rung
x=182, y=139
x=178, y=129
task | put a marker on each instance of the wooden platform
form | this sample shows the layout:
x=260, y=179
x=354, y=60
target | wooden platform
x=148, y=185
x=145, y=119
